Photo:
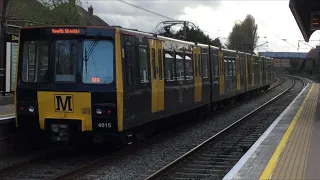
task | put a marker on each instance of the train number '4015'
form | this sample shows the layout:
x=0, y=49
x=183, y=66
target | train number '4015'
x=104, y=125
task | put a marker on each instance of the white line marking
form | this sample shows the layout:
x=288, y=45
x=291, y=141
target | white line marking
x=254, y=147
x=6, y=118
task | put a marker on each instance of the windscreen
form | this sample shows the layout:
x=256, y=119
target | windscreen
x=96, y=60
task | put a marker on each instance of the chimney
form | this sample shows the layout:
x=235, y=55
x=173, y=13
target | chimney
x=90, y=10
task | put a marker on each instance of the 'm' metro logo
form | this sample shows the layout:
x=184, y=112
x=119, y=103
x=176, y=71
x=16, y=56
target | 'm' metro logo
x=63, y=103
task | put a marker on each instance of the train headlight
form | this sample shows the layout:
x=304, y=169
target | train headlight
x=31, y=109
x=99, y=111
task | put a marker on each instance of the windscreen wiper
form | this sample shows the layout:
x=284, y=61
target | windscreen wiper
x=92, y=45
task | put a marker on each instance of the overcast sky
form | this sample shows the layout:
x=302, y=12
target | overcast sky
x=274, y=18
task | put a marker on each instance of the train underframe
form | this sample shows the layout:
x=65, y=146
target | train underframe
x=68, y=132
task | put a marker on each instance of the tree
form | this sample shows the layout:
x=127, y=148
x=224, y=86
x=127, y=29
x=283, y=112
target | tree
x=64, y=11
x=193, y=35
x=244, y=35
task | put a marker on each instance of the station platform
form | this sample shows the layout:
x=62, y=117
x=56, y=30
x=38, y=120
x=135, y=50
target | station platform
x=6, y=100
x=6, y=111
x=290, y=147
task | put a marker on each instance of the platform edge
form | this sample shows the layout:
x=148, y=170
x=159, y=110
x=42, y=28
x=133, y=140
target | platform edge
x=267, y=172
x=235, y=169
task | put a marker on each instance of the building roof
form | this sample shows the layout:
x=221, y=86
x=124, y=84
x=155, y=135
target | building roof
x=88, y=19
x=24, y=10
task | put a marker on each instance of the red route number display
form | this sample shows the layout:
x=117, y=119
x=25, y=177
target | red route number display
x=95, y=79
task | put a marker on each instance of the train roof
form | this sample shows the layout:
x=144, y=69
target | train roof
x=147, y=34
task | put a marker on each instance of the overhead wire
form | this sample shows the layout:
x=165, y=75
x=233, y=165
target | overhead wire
x=160, y=15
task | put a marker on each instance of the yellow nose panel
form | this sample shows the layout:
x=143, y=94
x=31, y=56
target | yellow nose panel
x=65, y=105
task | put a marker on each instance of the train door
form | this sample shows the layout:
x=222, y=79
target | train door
x=157, y=80
x=197, y=75
x=221, y=71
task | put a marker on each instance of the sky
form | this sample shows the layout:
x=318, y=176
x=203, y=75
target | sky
x=277, y=28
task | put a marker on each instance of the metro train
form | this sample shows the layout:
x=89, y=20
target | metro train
x=106, y=81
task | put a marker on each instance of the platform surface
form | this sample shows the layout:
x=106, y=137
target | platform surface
x=6, y=100
x=6, y=110
x=290, y=147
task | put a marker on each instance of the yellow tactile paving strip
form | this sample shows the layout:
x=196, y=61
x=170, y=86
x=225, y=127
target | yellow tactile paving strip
x=6, y=110
x=292, y=163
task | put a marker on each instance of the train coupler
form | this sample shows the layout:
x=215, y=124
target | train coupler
x=60, y=133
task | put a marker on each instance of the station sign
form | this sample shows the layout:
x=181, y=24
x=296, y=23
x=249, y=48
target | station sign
x=315, y=20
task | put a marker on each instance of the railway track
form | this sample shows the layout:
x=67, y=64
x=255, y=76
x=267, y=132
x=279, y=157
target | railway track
x=64, y=165
x=278, y=80
x=214, y=157
x=53, y=164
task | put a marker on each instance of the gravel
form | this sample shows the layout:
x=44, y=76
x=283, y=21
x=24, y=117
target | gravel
x=159, y=153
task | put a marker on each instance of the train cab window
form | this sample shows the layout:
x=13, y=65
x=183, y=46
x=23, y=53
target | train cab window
x=160, y=63
x=189, y=67
x=66, y=57
x=169, y=67
x=143, y=63
x=205, y=65
x=98, y=65
x=154, y=68
x=180, y=67
x=35, y=61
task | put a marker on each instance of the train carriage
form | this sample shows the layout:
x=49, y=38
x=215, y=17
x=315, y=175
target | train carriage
x=105, y=81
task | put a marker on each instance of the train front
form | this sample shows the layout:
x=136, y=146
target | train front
x=66, y=81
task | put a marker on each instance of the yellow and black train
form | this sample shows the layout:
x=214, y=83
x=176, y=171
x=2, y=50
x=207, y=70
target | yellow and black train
x=108, y=80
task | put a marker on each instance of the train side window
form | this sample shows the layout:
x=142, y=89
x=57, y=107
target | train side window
x=160, y=63
x=169, y=67
x=189, y=67
x=199, y=66
x=234, y=67
x=143, y=63
x=128, y=56
x=204, y=59
x=241, y=66
x=230, y=67
x=195, y=64
x=180, y=67
x=153, y=56
x=215, y=65
x=226, y=67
